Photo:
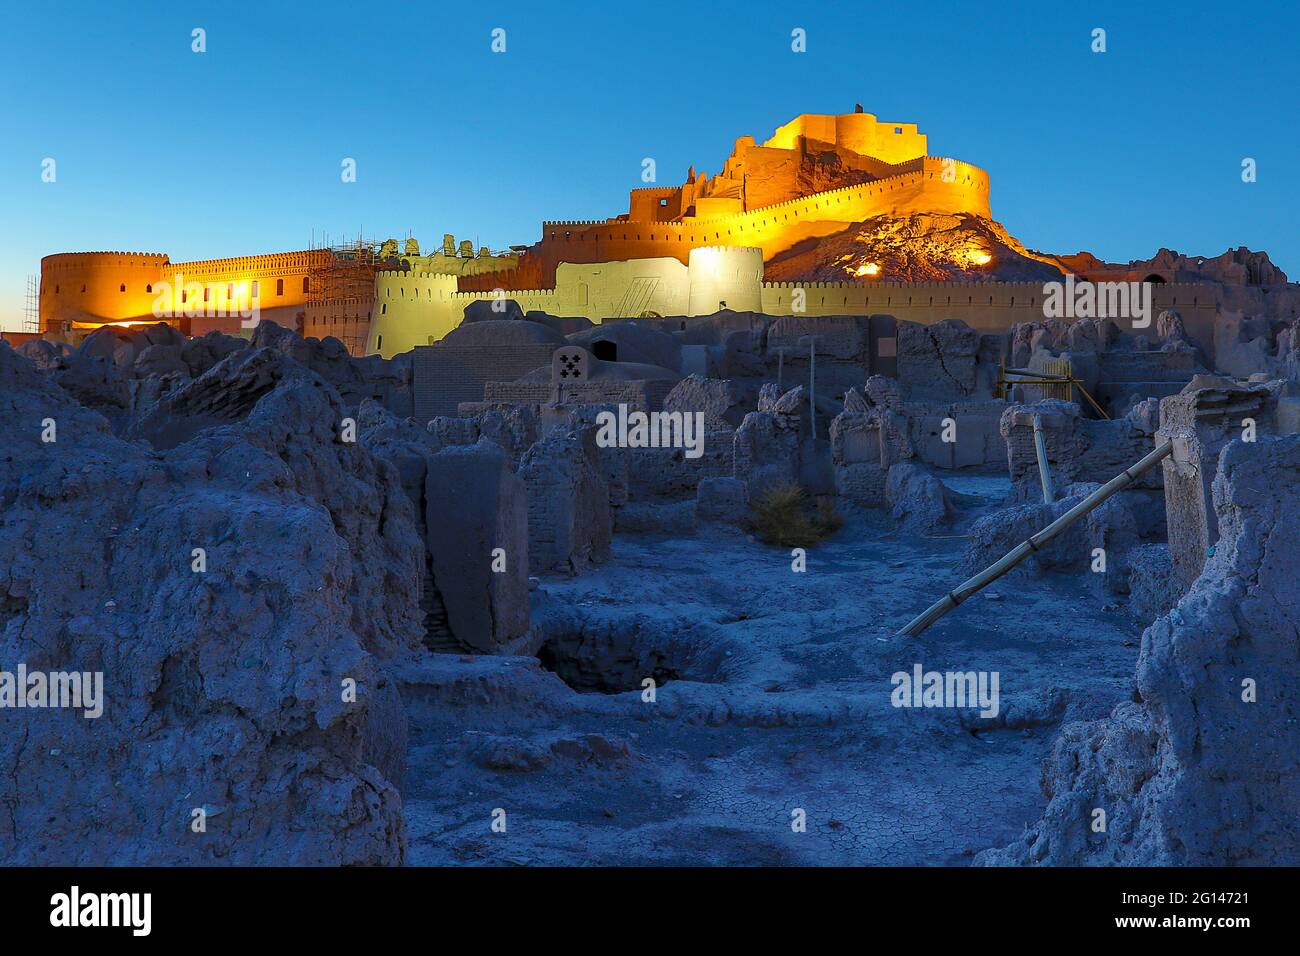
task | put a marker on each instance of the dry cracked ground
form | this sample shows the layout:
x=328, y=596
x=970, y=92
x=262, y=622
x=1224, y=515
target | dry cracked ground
x=773, y=696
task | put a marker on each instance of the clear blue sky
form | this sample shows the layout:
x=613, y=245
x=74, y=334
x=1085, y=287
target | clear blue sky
x=238, y=150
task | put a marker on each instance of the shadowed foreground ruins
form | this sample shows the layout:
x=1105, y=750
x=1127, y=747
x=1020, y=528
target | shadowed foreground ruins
x=341, y=631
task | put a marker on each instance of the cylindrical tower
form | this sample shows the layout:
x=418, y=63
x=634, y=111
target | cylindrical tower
x=725, y=277
x=97, y=287
x=413, y=309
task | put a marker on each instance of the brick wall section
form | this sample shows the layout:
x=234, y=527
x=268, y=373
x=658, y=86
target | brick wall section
x=643, y=395
x=446, y=376
x=1078, y=449
x=668, y=473
x=979, y=441
x=569, y=519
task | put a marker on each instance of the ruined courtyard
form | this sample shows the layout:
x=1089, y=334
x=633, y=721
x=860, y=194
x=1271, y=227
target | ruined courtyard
x=437, y=610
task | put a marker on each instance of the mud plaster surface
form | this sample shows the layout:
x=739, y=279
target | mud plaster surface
x=790, y=709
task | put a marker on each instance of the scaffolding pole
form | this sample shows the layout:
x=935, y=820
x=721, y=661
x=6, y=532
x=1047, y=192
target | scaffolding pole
x=1035, y=543
x=348, y=273
x=1040, y=449
x=32, y=306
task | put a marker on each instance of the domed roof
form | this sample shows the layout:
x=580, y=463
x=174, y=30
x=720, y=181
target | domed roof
x=502, y=332
x=634, y=342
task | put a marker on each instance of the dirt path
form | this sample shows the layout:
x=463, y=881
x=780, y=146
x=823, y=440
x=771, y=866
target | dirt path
x=774, y=696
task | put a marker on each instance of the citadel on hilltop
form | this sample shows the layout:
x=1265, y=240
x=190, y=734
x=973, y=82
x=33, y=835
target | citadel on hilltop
x=684, y=250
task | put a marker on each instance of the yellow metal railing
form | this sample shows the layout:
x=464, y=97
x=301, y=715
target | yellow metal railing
x=1057, y=381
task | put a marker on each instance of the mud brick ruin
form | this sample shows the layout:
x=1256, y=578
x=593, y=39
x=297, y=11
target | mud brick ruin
x=352, y=593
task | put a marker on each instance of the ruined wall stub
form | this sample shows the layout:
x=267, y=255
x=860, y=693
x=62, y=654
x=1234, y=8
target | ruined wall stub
x=1200, y=423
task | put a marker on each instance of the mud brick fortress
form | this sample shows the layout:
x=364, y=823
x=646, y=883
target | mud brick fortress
x=923, y=430
x=704, y=246
x=89, y=289
x=694, y=249
x=320, y=292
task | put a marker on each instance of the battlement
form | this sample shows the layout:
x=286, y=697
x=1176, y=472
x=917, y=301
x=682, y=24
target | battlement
x=393, y=274
x=745, y=252
x=579, y=222
x=468, y=297
x=270, y=262
x=80, y=260
x=966, y=174
x=1162, y=290
x=896, y=284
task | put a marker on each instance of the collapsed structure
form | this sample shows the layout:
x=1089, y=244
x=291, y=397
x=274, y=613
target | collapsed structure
x=324, y=588
x=394, y=536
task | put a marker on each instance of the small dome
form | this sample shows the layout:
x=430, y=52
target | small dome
x=502, y=332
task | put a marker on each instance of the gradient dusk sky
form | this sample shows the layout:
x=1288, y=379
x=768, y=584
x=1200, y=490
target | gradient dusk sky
x=237, y=150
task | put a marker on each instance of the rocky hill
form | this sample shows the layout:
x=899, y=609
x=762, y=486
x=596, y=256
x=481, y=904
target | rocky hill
x=924, y=247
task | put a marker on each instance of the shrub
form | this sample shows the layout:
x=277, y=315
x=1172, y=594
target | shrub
x=784, y=516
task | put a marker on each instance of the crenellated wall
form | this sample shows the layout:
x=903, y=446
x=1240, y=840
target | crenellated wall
x=87, y=289
x=984, y=306
x=419, y=310
x=926, y=184
x=97, y=287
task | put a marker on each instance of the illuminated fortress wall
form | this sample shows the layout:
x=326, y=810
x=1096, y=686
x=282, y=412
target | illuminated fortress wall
x=88, y=289
x=815, y=176
x=860, y=132
x=97, y=287
x=985, y=306
x=930, y=184
x=279, y=281
x=420, y=310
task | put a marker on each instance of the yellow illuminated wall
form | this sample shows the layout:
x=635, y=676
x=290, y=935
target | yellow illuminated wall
x=412, y=311
x=419, y=309
x=88, y=289
x=860, y=132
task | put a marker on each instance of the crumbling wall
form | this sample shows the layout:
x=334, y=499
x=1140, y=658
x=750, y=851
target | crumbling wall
x=918, y=501
x=767, y=443
x=956, y=434
x=1200, y=768
x=841, y=343
x=937, y=362
x=477, y=532
x=1200, y=421
x=1078, y=449
x=866, y=438
x=1118, y=525
x=668, y=473
x=721, y=501
x=458, y=474
x=569, y=520
x=719, y=400
x=225, y=689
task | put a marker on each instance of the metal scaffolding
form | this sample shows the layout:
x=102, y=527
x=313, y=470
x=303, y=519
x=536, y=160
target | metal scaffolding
x=341, y=289
x=32, y=306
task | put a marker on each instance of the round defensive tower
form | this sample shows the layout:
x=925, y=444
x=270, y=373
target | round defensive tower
x=97, y=287
x=725, y=277
x=414, y=308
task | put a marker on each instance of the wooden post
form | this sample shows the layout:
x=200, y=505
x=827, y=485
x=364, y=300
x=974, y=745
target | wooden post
x=1035, y=543
x=1044, y=473
x=812, y=382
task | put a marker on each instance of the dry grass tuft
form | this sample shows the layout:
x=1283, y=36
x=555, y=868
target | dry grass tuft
x=784, y=516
